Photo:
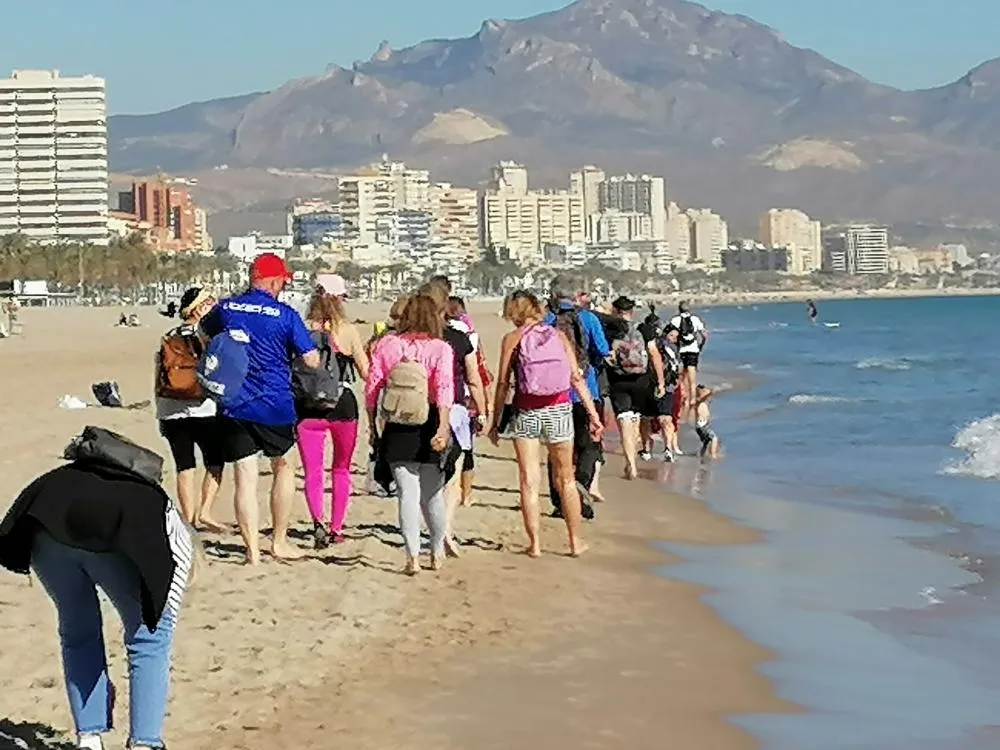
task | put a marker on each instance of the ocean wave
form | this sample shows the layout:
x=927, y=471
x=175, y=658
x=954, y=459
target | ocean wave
x=746, y=366
x=815, y=398
x=981, y=442
x=881, y=363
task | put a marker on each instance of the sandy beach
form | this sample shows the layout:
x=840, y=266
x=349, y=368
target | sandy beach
x=496, y=651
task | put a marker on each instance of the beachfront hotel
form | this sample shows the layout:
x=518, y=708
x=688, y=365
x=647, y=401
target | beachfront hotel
x=53, y=157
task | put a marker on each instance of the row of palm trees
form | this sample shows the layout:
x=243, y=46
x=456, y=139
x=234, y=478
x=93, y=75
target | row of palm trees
x=126, y=263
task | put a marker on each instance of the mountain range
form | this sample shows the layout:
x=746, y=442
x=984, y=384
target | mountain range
x=729, y=112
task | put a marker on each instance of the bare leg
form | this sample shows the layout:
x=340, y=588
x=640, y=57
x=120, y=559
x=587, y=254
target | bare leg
x=209, y=493
x=669, y=434
x=561, y=458
x=646, y=436
x=629, y=429
x=186, y=494
x=282, y=495
x=452, y=497
x=595, y=486
x=468, y=477
x=247, y=512
x=691, y=378
x=529, y=476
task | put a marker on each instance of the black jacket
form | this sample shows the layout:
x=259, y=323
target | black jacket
x=100, y=509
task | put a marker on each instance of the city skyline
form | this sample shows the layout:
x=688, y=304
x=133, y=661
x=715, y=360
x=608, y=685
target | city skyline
x=224, y=56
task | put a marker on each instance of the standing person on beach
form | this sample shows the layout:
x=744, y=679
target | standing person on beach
x=635, y=376
x=187, y=417
x=585, y=332
x=85, y=527
x=478, y=398
x=541, y=362
x=263, y=418
x=412, y=374
x=326, y=315
x=693, y=335
x=468, y=390
x=664, y=410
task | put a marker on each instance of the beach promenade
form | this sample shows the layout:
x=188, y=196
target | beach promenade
x=498, y=651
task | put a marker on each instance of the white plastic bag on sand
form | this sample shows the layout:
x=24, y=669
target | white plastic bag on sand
x=71, y=402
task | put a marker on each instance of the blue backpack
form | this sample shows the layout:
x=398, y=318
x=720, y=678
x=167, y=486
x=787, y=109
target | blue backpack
x=223, y=366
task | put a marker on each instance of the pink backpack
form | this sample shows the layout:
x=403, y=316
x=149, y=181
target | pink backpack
x=542, y=365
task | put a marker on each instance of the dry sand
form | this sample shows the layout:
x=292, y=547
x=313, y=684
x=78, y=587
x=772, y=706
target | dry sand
x=496, y=651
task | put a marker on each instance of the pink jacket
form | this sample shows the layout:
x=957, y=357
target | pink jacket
x=434, y=354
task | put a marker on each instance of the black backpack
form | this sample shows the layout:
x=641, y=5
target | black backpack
x=96, y=445
x=671, y=361
x=320, y=387
x=686, y=329
x=568, y=321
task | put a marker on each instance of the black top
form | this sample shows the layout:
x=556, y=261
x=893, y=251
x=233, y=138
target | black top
x=614, y=376
x=100, y=509
x=461, y=345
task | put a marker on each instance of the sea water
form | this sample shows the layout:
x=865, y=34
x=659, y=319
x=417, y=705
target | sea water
x=868, y=454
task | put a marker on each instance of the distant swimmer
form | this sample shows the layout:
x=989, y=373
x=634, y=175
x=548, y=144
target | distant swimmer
x=811, y=308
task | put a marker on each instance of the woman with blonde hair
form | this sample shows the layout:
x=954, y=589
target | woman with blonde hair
x=410, y=388
x=541, y=363
x=326, y=315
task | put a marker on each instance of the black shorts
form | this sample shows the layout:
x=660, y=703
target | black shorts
x=182, y=435
x=631, y=397
x=242, y=439
x=661, y=407
x=690, y=359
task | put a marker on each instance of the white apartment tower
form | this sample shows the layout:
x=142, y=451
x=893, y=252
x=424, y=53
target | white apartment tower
x=678, y=234
x=53, y=157
x=509, y=177
x=370, y=198
x=524, y=224
x=639, y=194
x=455, y=218
x=867, y=249
x=709, y=237
x=793, y=230
x=586, y=183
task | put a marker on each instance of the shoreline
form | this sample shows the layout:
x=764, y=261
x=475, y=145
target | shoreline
x=599, y=651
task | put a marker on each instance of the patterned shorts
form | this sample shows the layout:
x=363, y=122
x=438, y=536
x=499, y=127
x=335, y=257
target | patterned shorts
x=550, y=424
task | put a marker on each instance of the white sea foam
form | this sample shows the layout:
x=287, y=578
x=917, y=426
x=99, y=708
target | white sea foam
x=980, y=440
x=881, y=363
x=930, y=595
x=746, y=366
x=815, y=398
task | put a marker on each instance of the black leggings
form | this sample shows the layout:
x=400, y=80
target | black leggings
x=586, y=453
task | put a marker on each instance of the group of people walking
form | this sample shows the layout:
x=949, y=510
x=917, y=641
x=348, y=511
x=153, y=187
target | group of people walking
x=248, y=375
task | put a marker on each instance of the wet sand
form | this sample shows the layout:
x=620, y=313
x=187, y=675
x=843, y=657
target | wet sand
x=496, y=651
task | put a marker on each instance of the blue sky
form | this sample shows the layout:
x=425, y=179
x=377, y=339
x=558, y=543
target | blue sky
x=159, y=55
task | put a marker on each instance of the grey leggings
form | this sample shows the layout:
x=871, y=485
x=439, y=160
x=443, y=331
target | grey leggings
x=420, y=488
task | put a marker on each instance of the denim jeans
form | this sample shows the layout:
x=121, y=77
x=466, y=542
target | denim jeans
x=71, y=577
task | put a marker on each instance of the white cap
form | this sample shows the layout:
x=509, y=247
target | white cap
x=332, y=284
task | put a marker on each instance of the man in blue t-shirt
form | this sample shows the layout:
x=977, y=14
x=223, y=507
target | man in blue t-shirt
x=587, y=335
x=263, y=418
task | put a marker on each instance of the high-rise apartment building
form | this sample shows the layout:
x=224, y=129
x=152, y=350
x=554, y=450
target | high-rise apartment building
x=709, y=237
x=170, y=212
x=640, y=194
x=618, y=226
x=793, y=230
x=524, y=224
x=370, y=197
x=455, y=212
x=53, y=157
x=586, y=183
x=678, y=234
x=509, y=177
x=867, y=249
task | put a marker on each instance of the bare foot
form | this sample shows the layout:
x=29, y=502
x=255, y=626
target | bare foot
x=451, y=548
x=578, y=548
x=466, y=501
x=252, y=560
x=286, y=552
x=630, y=474
x=533, y=552
x=436, y=563
x=206, y=523
x=598, y=497
x=412, y=567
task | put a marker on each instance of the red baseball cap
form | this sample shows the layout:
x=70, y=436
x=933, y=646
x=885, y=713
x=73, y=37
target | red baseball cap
x=269, y=266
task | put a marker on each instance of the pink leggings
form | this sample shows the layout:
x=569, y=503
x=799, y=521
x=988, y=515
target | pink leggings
x=312, y=442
